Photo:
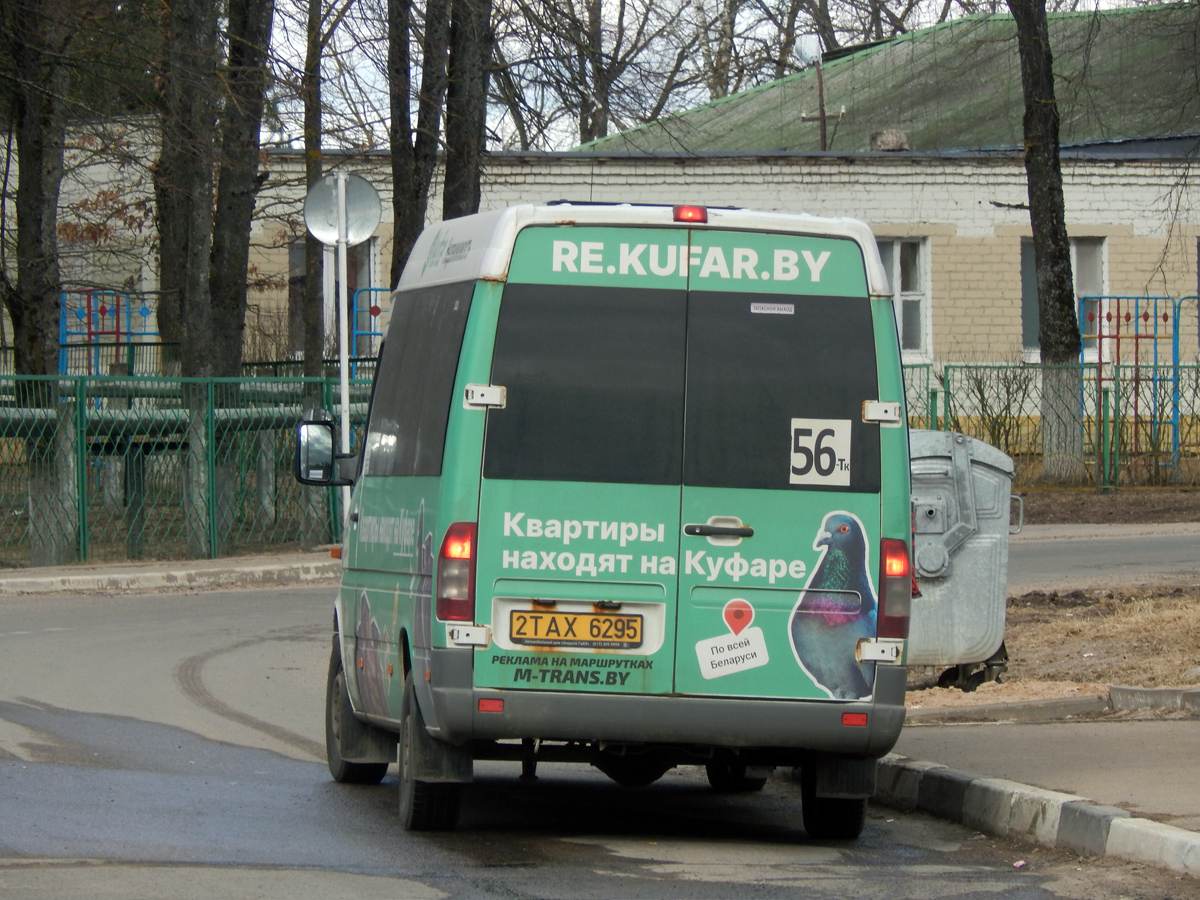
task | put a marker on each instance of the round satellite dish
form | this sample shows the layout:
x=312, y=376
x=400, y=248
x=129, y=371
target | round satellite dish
x=362, y=209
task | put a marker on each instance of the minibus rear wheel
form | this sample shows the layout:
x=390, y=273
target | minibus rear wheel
x=424, y=805
x=830, y=818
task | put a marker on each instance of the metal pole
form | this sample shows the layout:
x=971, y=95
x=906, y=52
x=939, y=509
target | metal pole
x=343, y=335
x=1105, y=462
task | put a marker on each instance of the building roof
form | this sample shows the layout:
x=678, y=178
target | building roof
x=1121, y=75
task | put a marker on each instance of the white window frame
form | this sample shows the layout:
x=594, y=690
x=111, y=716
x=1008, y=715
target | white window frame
x=1090, y=354
x=922, y=295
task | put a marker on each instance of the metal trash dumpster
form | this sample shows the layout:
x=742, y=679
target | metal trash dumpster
x=961, y=494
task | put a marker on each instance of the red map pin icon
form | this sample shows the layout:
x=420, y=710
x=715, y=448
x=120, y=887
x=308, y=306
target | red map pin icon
x=738, y=615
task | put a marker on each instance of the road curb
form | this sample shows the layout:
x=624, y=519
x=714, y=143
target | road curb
x=1050, y=818
x=223, y=573
x=1123, y=698
x=1053, y=709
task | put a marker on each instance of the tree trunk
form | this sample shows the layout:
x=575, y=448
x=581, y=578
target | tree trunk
x=37, y=36
x=38, y=81
x=238, y=176
x=184, y=176
x=310, y=90
x=1058, y=336
x=414, y=155
x=197, y=508
x=718, y=49
x=183, y=186
x=466, y=105
x=238, y=180
x=593, y=112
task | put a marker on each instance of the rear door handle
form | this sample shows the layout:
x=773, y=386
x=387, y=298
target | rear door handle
x=706, y=530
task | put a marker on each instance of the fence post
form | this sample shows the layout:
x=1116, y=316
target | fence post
x=210, y=462
x=81, y=466
x=1106, y=472
x=946, y=397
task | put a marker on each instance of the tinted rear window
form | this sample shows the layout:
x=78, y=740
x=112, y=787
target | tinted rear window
x=595, y=385
x=755, y=363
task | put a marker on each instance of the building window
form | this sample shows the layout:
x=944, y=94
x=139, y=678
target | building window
x=297, y=275
x=906, y=264
x=1087, y=268
x=362, y=271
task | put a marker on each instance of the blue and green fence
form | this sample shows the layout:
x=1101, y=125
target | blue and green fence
x=114, y=467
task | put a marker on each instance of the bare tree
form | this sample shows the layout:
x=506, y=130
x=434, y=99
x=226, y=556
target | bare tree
x=238, y=178
x=37, y=37
x=603, y=65
x=1058, y=328
x=414, y=147
x=183, y=181
x=322, y=23
x=466, y=104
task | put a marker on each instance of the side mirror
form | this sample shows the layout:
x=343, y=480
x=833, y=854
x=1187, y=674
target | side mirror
x=316, y=461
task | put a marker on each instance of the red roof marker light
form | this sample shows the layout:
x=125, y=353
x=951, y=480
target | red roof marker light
x=691, y=214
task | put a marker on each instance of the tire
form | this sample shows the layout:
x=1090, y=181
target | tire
x=633, y=771
x=424, y=805
x=337, y=704
x=830, y=818
x=730, y=778
x=974, y=681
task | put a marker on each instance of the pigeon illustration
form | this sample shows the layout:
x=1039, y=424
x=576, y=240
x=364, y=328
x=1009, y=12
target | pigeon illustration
x=835, y=609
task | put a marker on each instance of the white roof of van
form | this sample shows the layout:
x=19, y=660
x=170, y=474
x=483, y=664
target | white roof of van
x=480, y=246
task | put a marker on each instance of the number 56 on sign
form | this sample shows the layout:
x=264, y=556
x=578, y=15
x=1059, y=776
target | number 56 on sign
x=821, y=452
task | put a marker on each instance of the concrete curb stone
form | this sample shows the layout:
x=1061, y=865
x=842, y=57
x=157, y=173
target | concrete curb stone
x=297, y=568
x=1022, y=711
x=1122, y=697
x=1050, y=818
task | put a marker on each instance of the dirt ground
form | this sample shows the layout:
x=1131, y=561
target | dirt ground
x=1127, y=505
x=1078, y=643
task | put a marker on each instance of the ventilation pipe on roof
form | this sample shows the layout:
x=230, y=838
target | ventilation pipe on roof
x=890, y=139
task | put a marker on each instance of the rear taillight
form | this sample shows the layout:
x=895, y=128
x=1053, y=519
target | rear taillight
x=456, y=574
x=895, y=599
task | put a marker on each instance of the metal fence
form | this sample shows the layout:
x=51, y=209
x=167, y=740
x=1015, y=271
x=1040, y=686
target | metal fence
x=1102, y=426
x=97, y=468
x=104, y=468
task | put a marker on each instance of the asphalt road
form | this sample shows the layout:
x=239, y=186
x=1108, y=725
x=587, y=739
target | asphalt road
x=170, y=747
x=1069, y=557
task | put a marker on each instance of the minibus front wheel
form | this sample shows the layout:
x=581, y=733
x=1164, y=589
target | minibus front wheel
x=634, y=770
x=340, y=723
x=732, y=777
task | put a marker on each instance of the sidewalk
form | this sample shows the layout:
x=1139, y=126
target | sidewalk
x=271, y=569
x=1059, y=776
x=1150, y=769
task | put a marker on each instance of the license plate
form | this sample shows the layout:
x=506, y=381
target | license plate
x=568, y=629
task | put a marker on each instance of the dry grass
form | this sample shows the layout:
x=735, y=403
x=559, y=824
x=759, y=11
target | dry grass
x=1146, y=639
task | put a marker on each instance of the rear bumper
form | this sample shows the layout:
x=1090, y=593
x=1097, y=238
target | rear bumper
x=707, y=721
